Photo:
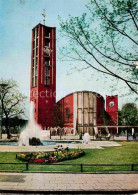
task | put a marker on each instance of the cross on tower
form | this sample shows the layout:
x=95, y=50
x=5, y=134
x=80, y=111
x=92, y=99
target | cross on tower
x=44, y=15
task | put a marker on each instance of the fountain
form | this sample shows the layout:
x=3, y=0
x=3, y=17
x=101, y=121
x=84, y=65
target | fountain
x=86, y=138
x=33, y=133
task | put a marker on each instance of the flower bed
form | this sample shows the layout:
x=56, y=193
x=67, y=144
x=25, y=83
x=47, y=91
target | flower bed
x=50, y=157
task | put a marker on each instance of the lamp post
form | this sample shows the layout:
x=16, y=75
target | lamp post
x=2, y=86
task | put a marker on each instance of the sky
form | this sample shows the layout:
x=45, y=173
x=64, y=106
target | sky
x=17, y=18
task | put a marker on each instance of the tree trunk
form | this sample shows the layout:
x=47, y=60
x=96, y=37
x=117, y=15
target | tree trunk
x=7, y=128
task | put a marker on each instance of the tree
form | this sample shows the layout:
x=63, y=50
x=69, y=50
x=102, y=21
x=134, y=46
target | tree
x=104, y=39
x=11, y=102
x=15, y=123
x=128, y=114
x=57, y=116
x=61, y=114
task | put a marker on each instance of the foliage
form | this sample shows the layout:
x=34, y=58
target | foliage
x=128, y=114
x=13, y=122
x=35, y=141
x=106, y=118
x=104, y=39
x=11, y=102
x=50, y=157
x=57, y=116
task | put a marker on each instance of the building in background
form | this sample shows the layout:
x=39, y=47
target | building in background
x=43, y=73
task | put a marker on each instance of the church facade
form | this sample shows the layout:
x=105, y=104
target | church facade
x=84, y=110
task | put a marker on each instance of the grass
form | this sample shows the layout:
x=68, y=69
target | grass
x=125, y=154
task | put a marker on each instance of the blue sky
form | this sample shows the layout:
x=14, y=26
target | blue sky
x=17, y=18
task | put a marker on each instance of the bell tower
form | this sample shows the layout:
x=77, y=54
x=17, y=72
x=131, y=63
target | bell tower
x=43, y=73
x=112, y=110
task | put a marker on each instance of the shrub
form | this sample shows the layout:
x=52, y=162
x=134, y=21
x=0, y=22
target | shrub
x=50, y=157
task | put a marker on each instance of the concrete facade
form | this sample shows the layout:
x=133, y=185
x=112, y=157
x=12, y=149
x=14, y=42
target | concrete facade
x=85, y=109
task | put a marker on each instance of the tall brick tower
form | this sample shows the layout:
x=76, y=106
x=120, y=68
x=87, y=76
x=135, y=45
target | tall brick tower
x=43, y=73
x=112, y=110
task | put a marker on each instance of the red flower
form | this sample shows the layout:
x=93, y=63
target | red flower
x=39, y=160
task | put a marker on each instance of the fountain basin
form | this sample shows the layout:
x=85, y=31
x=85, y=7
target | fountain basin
x=44, y=143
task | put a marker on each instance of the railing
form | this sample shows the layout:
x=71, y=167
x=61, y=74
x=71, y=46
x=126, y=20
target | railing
x=77, y=165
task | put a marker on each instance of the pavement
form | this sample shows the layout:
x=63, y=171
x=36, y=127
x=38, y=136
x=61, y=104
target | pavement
x=90, y=145
x=50, y=182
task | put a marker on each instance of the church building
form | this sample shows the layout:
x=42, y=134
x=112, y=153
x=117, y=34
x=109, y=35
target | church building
x=81, y=110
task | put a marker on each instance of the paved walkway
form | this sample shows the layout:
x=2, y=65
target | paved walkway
x=68, y=182
x=90, y=145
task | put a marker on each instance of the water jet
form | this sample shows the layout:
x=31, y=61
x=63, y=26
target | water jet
x=33, y=132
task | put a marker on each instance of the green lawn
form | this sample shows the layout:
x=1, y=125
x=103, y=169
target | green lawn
x=125, y=154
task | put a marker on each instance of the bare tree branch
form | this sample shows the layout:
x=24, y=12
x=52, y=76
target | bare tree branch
x=115, y=60
x=133, y=19
x=91, y=38
x=121, y=32
x=115, y=75
x=119, y=53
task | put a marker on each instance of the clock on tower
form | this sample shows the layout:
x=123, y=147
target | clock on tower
x=112, y=109
x=111, y=104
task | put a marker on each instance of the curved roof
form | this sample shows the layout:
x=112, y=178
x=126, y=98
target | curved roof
x=94, y=93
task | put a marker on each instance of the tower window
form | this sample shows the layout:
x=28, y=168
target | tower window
x=36, y=60
x=47, y=33
x=47, y=69
x=67, y=113
x=46, y=62
x=47, y=75
x=47, y=81
x=36, y=51
x=36, y=71
x=36, y=32
x=46, y=119
x=33, y=43
x=47, y=42
x=33, y=53
x=36, y=42
x=46, y=109
x=36, y=80
x=32, y=81
x=33, y=71
x=33, y=63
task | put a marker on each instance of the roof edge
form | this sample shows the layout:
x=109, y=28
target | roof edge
x=42, y=25
x=81, y=91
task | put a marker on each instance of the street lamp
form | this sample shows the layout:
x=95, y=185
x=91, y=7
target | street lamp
x=2, y=86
